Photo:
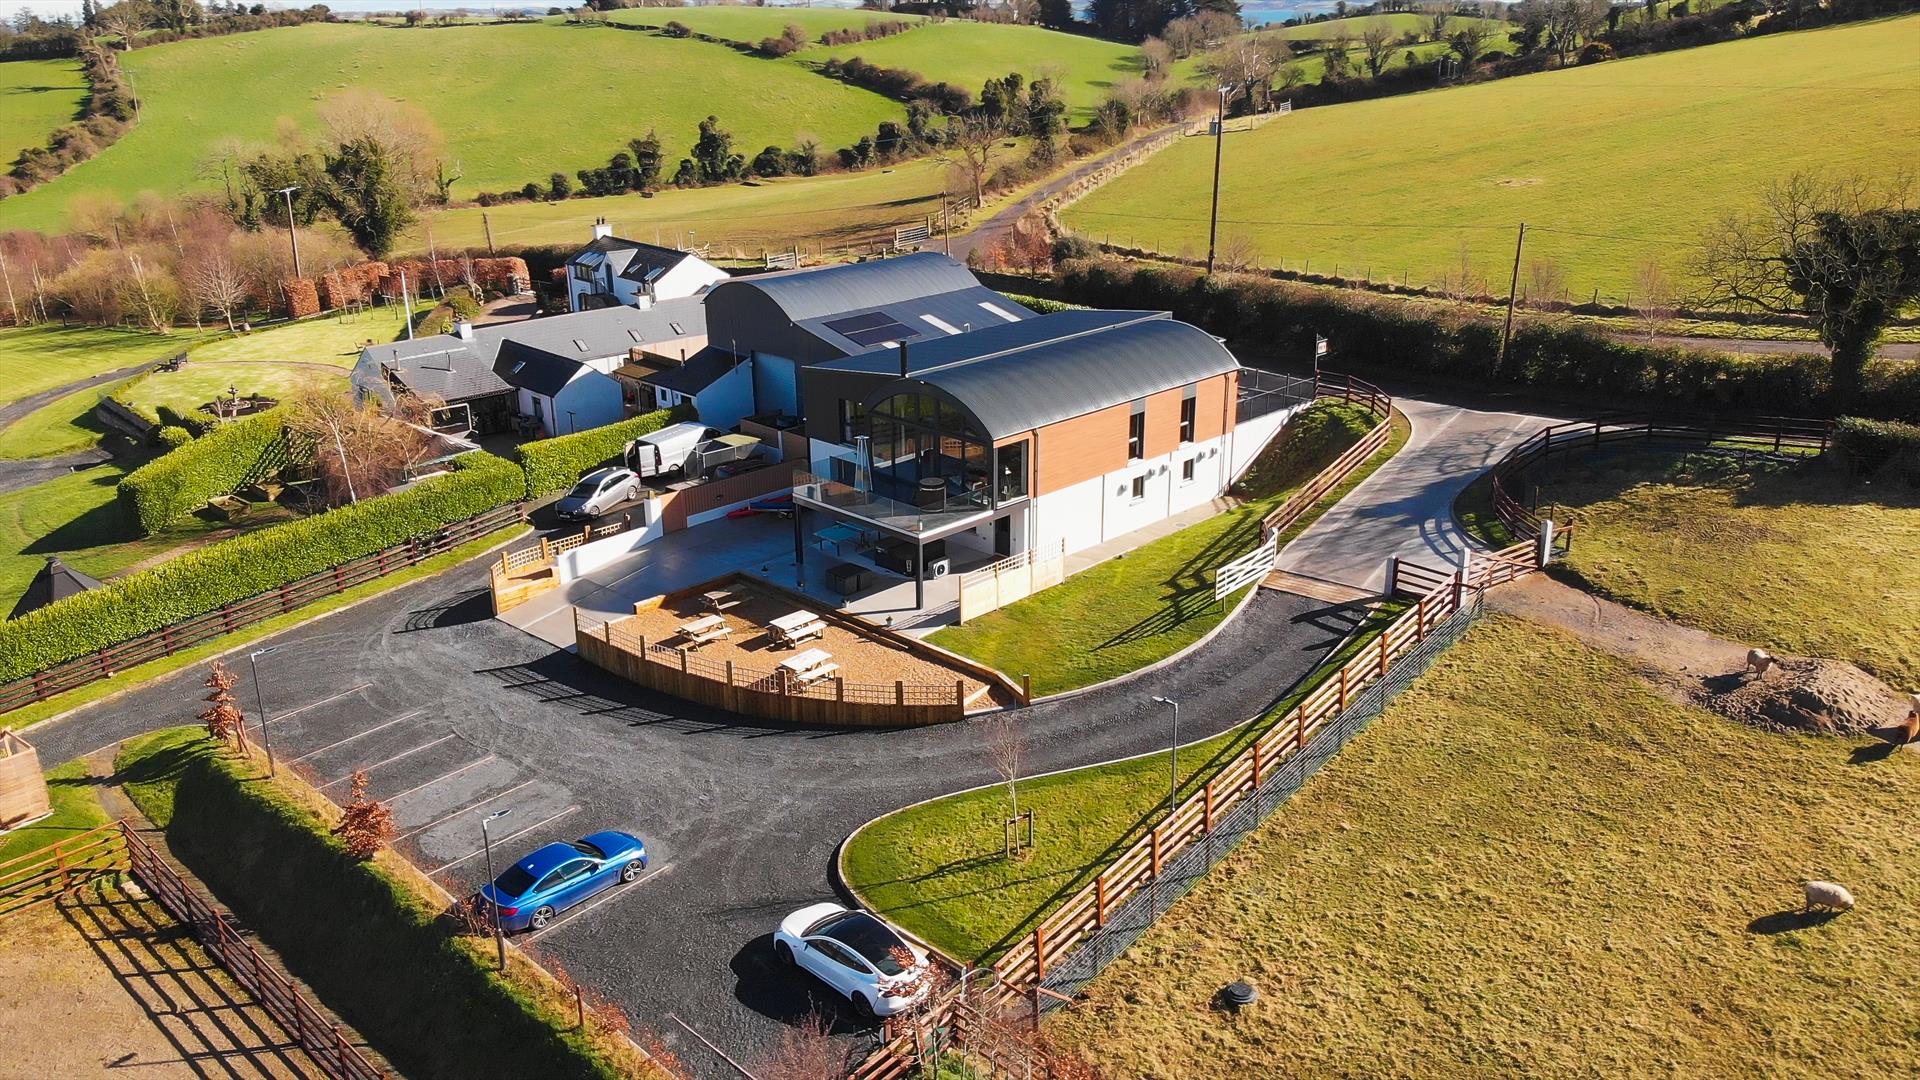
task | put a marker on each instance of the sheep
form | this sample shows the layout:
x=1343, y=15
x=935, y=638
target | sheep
x=1826, y=896
x=1759, y=662
x=1909, y=730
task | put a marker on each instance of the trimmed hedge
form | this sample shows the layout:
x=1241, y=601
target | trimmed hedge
x=554, y=464
x=1872, y=446
x=203, y=580
x=1384, y=334
x=367, y=943
x=169, y=487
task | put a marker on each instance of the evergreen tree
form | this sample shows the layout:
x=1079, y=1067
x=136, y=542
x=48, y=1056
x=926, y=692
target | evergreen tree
x=366, y=196
x=647, y=162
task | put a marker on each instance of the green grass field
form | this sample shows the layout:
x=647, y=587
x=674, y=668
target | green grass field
x=75, y=810
x=36, y=96
x=751, y=24
x=968, y=53
x=36, y=358
x=1788, y=557
x=743, y=219
x=1493, y=880
x=273, y=362
x=1609, y=164
x=504, y=97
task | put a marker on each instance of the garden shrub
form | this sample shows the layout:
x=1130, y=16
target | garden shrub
x=367, y=940
x=173, y=436
x=1876, y=447
x=205, y=579
x=554, y=464
x=171, y=486
x=1384, y=334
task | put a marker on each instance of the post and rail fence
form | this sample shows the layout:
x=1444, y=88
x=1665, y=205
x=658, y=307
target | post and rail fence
x=243, y=613
x=116, y=848
x=1074, y=942
x=1769, y=436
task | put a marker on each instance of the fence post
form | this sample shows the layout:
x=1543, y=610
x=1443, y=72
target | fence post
x=683, y=661
x=1420, y=620
x=1026, y=687
x=729, y=673
x=1040, y=952
x=1100, y=900
x=1343, y=686
x=899, y=692
x=1300, y=728
x=1208, y=813
x=1393, y=574
x=1156, y=852
x=1385, y=656
x=839, y=688
x=1543, y=553
x=960, y=692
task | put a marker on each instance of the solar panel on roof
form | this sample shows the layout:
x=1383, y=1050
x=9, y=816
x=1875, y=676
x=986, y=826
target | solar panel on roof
x=852, y=323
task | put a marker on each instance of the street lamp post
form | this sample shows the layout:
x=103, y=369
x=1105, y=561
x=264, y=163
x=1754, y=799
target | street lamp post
x=287, y=192
x=1173, y=781
x=1219, y=136
x=486, y=841
x=260, y=702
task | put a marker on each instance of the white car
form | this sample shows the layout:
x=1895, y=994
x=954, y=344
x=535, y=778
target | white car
x=598, y=492
x=857, y=955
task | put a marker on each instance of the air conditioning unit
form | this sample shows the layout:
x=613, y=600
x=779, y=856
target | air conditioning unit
x=939, y=567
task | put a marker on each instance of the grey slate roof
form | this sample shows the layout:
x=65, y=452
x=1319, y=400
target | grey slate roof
x=1020, y=376
x=701, y=370
x=448, y=368
x=632, y=259
x=836, y=290
x=55, y=581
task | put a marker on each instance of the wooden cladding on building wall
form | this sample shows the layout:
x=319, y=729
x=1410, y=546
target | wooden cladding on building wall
x=1094, y=445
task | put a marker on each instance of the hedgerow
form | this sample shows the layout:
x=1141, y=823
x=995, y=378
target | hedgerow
x=554, y=464
x=204, y=580
x=1875, y=447
x=169, y=487
x=1384, y=334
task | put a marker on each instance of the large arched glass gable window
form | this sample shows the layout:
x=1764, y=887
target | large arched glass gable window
x=926, y=447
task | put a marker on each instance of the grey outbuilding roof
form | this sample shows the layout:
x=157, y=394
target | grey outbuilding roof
x=55, y=581
x=834, y=290
x=453, y=369
x=1020, y=376
x=700, y=371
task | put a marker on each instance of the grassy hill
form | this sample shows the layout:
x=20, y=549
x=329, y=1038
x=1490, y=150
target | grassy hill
x=1609, y=164
x=36, y=96
x=751, y=24
x=969, y=53
x=514, y=102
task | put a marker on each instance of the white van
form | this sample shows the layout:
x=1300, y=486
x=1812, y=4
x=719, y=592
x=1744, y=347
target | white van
x=665, y=452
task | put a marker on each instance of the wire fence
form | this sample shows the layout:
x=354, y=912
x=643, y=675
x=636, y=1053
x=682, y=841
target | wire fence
x=1066, y=976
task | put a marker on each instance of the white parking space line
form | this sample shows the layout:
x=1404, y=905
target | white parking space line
x=476, y=851
x=444, y=776
x=456, y=813
x=391, y=760
x=350, y=738
x=611, y=894
x=317, y=704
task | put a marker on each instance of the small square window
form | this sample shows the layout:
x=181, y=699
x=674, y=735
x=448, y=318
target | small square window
x=1139, y=487
x=1186, y=470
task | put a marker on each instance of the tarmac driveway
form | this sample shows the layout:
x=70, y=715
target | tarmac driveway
x=456, y=715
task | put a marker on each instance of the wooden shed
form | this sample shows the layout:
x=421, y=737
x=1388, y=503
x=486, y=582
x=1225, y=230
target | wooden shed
x=23, y=789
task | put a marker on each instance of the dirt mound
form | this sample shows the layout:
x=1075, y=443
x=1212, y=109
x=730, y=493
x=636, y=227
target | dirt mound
x=1808, y=695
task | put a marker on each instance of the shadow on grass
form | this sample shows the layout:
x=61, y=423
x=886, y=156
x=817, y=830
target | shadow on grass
x=1782, y=922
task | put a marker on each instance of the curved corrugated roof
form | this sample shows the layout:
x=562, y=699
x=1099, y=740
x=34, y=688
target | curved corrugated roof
x=830, y=290
x=1056, y=367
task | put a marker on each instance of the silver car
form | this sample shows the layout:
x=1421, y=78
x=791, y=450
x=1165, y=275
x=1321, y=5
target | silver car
x=598, y=492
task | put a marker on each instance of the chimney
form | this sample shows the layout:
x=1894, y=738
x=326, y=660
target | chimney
x=903, y=359
x=602, y=230
x=643, y=301
x=463, y=329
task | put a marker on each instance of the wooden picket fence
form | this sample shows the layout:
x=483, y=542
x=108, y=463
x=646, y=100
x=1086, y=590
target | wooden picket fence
x=246, y=612
x=115, y=848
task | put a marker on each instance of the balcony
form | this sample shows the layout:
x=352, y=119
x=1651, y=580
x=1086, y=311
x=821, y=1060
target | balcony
x=905, y=519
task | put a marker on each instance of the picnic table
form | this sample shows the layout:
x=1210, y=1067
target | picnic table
x=719, y=599
x=706, y=628
x=836, y=537
x=810, y=666
x=796, y=627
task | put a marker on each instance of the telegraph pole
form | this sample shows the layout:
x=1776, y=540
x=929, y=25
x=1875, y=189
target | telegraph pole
x=1513, y=289
x=291, y=234
x=1213, y=219
x=487, y=223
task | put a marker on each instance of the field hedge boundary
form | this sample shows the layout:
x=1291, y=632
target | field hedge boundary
x=203, y=580
x=552, y=465
x=369, y=941
x=172, y=485
x=1378, y=334
x=1872, y=447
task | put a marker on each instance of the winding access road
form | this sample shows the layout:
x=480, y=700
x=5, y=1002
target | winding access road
x=456, y=713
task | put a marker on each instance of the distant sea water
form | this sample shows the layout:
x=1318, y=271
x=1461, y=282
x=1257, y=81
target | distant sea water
x=1256, y=12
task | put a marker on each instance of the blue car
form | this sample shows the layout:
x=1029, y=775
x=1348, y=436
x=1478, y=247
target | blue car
x=539, y=887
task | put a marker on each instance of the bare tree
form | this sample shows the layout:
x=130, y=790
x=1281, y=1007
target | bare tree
x=1378, y=39
x=1547, y=281
x=1845, y=253
x=126, y=20
x=1239, y=252
x=215, y=282
x=1652, y=302
x=359, y=449
x=1469, y=43
x=974, y=139
x=1156, y=57
x=805, y=1051
x=1006, y=745
x=150, y=292
x=1437, y=16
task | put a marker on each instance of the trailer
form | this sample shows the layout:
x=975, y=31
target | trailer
x=724, y=450
x=668, y=451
